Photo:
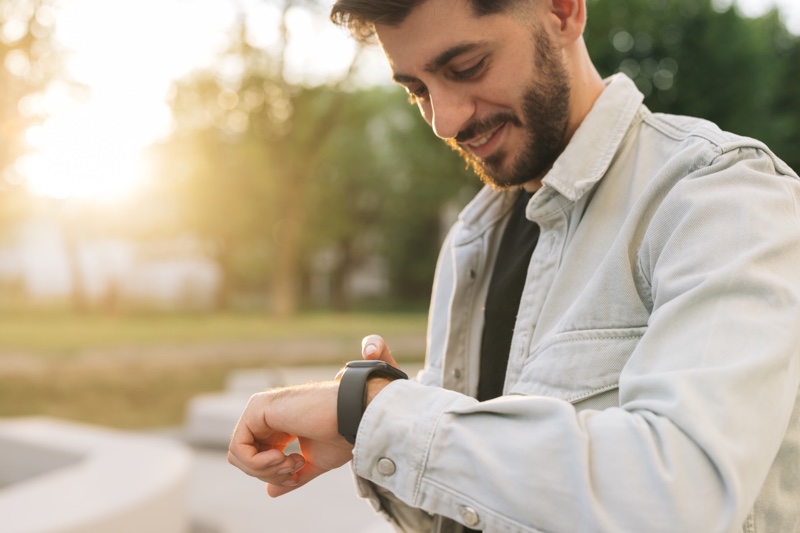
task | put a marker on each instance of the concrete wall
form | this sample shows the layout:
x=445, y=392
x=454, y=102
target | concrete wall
x=63, y=477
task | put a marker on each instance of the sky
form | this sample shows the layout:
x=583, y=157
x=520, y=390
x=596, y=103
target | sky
x=754, y=8
x=128, y=52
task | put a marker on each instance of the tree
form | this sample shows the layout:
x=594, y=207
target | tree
x=689, y=58
x=380, y=190
x=30, y=64
x=272, y=173
x=249, y=143
x=302, y=169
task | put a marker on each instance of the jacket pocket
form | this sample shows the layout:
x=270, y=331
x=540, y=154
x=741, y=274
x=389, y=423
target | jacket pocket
x=577, y=365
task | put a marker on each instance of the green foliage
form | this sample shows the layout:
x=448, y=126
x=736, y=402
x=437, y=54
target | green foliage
x=688, y=58
x=30, y=62
x=281, y=178
x=265, y=170
x=380, y=189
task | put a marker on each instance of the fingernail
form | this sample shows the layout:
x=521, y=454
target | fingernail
x=370, y=349
x=290, y=483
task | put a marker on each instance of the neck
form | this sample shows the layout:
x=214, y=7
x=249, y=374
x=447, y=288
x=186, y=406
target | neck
x=586, y=84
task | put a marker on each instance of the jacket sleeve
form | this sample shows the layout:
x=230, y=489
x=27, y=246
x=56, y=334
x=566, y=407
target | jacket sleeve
x=704, y=400
x=401, y=515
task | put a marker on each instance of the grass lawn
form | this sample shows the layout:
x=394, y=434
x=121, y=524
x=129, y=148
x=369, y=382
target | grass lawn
x=143, y=390
x=129, y=398
x=61, y=334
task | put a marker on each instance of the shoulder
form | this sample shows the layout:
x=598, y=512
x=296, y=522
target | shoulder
x=707, y=146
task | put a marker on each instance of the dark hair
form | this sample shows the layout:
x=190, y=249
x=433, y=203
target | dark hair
x=360, y=16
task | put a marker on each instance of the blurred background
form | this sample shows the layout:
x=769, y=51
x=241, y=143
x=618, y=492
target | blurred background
x=189, y=188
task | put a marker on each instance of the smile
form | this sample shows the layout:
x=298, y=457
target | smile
x=481, y=141
x=484, y=145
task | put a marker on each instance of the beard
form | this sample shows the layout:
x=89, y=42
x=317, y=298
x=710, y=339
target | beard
x=545, y=107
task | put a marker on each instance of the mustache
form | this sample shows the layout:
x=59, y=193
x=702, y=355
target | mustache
x=479, y=127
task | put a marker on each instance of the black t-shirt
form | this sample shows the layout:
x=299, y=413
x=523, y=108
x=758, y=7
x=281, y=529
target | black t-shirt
x=502, y=301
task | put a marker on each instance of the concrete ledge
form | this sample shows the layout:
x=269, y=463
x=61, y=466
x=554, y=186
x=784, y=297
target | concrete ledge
x=63, y=477
x=210, y=418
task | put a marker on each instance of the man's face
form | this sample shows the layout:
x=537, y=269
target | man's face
x=494, y=87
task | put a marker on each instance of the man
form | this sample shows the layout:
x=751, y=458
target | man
x=647, y=376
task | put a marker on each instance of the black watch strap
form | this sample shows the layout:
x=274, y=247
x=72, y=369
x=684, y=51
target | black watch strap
x=351, y=401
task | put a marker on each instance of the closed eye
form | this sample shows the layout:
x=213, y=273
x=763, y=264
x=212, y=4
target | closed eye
x=469, y=72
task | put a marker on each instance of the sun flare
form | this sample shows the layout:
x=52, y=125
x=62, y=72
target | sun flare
x=76, y=155
x=125, y=54
x=92, y=145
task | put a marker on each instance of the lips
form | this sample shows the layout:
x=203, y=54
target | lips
x=485, y=144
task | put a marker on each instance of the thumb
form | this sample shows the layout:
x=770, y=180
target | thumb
x=374, y=348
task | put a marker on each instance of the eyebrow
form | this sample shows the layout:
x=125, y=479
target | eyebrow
x=440, y=60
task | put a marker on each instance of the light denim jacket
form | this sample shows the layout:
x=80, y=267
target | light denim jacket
x=653, y=377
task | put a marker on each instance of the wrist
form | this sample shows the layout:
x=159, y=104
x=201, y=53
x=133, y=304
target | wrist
x=375, y=384
x=360, y=383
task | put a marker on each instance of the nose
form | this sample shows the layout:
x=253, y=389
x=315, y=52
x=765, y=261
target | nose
x=449, y=112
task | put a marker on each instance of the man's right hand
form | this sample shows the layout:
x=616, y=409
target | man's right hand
x=277, y=417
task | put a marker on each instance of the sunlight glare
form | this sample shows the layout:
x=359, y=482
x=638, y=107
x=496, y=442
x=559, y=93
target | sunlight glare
x=90, y=162
x=126, y=54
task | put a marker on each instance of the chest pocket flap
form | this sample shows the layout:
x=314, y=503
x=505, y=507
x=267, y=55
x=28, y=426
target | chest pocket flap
x=577, y=365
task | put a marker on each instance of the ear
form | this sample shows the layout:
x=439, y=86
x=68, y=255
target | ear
x=571, y=15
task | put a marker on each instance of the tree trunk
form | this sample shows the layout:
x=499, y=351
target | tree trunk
x=289, y=238
x=340, y=296
x=227, y=285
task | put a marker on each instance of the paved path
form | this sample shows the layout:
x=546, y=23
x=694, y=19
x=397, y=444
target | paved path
x=221, y=499
x=224, y=500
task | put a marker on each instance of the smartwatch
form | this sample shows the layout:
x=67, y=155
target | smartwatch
x=351, y=402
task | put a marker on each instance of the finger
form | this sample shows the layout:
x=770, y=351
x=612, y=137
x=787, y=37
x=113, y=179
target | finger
x=277, y=472
x=374, y=348
x=256, y=455
x=283, y=472
x=244, y=450
x=246, y=465
x=295, y=481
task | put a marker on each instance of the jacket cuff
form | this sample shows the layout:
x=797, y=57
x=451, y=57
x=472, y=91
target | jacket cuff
x=395, y=435
x=401, y=516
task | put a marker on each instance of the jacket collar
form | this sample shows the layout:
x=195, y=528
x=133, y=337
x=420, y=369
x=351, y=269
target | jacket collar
x=592, y=148
x=579, y=167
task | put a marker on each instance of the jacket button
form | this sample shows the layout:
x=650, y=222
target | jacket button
x=469, y=516
x=386, y=466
